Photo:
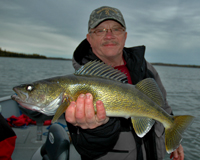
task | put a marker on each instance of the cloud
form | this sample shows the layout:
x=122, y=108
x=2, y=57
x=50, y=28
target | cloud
x=169, y=29
x=35, y=39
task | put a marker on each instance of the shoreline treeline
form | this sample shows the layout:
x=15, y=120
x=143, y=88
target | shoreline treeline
x=175, y=65
x=4, y=53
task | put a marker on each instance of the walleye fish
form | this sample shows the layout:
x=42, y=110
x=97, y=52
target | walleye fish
x=142, y=102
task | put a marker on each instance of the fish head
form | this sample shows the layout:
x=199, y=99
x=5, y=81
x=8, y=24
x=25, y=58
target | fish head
x=41, y=96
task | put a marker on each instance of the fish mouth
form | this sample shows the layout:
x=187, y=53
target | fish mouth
x=49, y=109
x=24, y=104
x=16, y=98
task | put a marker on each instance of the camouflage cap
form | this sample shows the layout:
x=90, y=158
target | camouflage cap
x=105, y=13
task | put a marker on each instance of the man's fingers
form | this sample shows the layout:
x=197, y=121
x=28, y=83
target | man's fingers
x=175, y=154
x=81, y=113
x=181, y=152
x=80, y=109
x=89, y=109
x=70, y=113
x=101, y=112
x=178, y=154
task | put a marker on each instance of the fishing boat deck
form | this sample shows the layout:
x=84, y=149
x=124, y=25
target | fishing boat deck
x=26, y=143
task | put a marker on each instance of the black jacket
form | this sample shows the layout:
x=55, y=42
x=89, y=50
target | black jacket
x=94, y=143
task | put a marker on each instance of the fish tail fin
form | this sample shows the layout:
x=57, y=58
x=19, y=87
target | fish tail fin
x=173, y=134
x=60, y=111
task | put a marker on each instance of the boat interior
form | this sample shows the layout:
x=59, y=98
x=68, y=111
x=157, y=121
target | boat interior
x=35, y=141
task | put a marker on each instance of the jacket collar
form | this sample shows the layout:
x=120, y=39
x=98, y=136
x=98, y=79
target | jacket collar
x=83, y=54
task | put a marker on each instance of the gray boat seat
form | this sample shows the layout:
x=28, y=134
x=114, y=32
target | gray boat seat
x=56, y=145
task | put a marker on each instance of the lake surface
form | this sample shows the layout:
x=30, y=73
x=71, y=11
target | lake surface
x=182, y=86
x=15, y=71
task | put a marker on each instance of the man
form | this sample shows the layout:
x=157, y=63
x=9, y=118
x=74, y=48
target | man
x=96, y=136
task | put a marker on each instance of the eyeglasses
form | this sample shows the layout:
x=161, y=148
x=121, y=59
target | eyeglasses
x=102, y=32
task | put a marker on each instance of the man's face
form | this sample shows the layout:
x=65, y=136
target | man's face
x=108, y=45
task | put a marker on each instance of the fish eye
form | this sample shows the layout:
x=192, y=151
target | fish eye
x=29, y=87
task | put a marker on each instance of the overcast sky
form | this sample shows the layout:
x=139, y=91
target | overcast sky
x=170, y=30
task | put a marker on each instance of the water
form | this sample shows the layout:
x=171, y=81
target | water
x=183, y=95
x=182, y=85
x=15, y=71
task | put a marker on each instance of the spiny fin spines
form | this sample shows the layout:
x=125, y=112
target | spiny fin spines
x=150, y=88
x=100, y=69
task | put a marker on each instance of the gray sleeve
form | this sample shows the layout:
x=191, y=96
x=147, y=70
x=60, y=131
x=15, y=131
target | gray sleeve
x=159, y=128
x=75, y=64
x=158, y=80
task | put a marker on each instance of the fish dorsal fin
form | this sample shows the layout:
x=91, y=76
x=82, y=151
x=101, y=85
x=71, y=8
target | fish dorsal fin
x=150, y=88
x=100, y=69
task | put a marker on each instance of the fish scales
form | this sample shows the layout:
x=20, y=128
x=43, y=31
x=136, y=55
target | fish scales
x=142, y=102
x=114, y=95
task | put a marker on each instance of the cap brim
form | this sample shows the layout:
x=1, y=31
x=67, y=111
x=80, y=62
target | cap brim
x=94, y=25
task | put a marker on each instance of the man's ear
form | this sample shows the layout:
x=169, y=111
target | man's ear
x=125, y=35
x=88, y=38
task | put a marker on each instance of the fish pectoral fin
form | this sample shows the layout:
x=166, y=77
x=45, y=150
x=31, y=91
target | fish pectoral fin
x=142, y=125
x=61, y=109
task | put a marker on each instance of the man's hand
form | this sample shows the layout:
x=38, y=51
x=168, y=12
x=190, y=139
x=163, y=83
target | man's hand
x=178, y=154
x=81, y=113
